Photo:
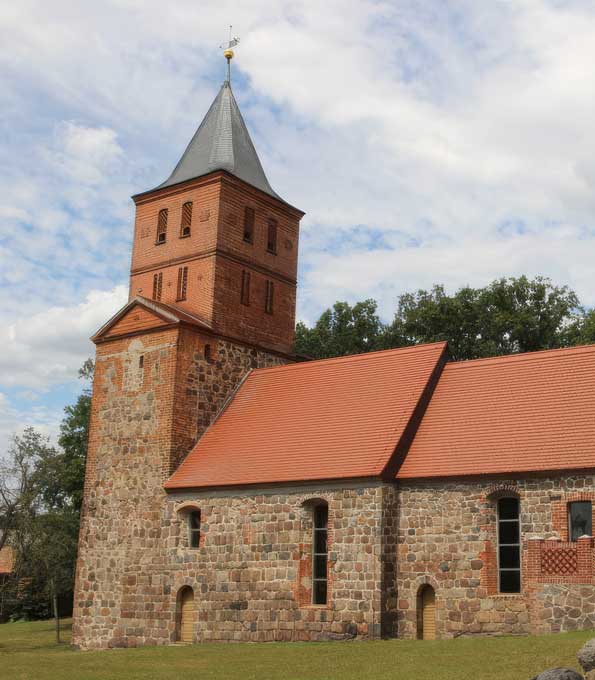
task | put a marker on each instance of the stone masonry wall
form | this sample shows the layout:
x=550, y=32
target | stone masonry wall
x=447, y=539
x=152, y=397
x=251, y=575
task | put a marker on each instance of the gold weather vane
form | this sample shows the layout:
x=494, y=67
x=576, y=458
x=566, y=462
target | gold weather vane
x=228, y=52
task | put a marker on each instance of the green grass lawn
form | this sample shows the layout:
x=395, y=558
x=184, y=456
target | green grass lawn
x=28, y=651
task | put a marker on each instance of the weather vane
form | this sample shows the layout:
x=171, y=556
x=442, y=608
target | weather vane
x=228, y=52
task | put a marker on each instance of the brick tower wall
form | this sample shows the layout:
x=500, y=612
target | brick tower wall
x=216, y=255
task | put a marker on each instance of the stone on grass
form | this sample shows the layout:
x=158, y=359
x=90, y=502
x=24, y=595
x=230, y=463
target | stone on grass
x=559, y=674
x=586, y=656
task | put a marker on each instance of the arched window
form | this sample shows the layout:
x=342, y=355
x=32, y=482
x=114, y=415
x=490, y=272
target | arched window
x=208, y=355
x=272, y=236
x=248, y=225
x=509, y=545
x=194, y=528
x=182, y=283
x=320, y=554
x=157, y=286
x=186, y=222
x=162, y=226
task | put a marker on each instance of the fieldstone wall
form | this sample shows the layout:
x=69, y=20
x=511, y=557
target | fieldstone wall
x=447, y=539
x=153, y=395
x=251, y=575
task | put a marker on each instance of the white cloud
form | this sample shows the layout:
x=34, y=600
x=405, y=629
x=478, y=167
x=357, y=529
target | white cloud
x=428, y=140
x=49, y=347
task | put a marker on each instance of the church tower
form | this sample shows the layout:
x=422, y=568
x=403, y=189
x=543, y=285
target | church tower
x=212, y=295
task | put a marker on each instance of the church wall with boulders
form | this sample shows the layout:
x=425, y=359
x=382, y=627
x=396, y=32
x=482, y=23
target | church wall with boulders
x=448, y=539
x=153, y=395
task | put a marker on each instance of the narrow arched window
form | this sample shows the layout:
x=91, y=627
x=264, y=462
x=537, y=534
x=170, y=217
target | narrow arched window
x=157, y=286
x=509, y=546
x=272, y=237
x=182, y=283
x=245, y=291
x=194, y=528
x=186, y=219
x=248, y=225
x=320, y=554
x=208, y=356
x=162, y=226
x=268, y=300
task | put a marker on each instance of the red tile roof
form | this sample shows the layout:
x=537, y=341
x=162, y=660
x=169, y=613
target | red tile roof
x=520, y=413
x=331, y=419
x=6, y=560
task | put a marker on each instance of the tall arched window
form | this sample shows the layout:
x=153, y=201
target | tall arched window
x=320, y=554
x=509, y=545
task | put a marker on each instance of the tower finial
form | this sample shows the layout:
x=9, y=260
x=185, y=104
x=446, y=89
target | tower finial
x=228, y=52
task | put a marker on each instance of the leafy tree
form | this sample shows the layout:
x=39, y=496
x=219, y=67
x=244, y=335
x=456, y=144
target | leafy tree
x=342, y=330
x=41, y=490
x=61, y=475
x=18, y=493
x=508, y=315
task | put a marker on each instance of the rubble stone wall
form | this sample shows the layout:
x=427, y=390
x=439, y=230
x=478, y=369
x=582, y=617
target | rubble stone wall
x=447, y=539
x=153, y=395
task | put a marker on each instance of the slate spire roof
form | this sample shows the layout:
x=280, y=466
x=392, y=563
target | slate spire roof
x=222, y=142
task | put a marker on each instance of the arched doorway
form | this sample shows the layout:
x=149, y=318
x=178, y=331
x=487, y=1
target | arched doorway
x=186, y=616
x=426, y=613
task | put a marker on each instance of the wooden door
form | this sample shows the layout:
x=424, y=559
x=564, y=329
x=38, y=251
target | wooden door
x=187, y=616
x=428, y=613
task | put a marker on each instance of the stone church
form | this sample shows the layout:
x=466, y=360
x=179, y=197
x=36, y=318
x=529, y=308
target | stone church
x=237, y=493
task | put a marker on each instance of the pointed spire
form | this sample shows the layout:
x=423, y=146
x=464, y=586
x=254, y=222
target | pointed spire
x=222, y=142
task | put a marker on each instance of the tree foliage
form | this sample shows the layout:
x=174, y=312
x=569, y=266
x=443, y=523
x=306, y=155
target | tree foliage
x=342, y=330
x=507, y=316
x=41, y=491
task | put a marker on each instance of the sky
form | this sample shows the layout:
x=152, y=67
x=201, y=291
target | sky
x=428, y=141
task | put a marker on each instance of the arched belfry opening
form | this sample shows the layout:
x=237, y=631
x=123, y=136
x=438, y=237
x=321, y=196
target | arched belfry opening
x=185, y=615
x=426, y=613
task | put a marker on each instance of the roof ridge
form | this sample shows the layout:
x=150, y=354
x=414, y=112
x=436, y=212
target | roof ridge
x=353, y=357
x=522, y=356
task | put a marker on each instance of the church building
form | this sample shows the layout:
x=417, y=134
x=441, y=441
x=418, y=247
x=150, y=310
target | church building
x=236, y=492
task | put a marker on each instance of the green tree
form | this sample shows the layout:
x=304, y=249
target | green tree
x=342, y=330
x=44, y=487
x=506, y=316
x=61, y=475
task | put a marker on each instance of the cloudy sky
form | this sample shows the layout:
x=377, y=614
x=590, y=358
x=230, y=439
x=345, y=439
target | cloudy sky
x=428, y=141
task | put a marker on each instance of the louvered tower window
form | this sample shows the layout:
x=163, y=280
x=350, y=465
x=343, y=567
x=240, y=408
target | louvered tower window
x=272, y=237
x=268, y=302
x=245, y=292
x=182, y=283
x=162, y=226
x=157, y=286
x=186, y=219
x=248, y=225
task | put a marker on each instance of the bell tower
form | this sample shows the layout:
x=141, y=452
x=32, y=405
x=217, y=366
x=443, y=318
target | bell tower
x=212, y=295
